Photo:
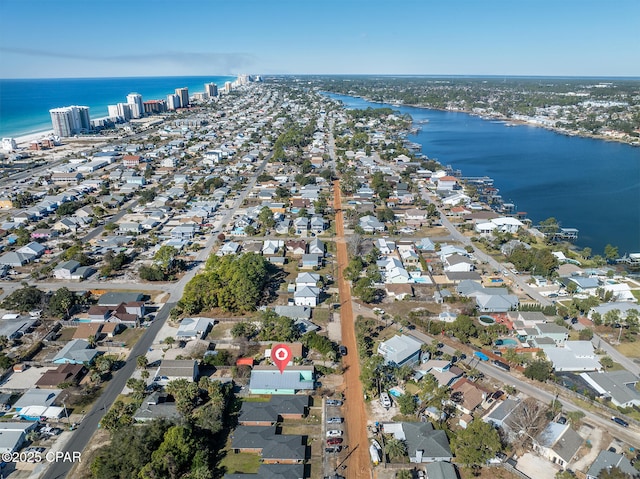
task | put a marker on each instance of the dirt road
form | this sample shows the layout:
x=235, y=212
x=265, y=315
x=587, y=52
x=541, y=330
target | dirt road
x=358, y=464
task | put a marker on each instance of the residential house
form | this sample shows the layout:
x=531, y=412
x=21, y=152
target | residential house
x=424, y=443
x=399, y=291
x=157, y=405
x=307, y=279
x=617, y=386
x=66, y=269
x=317, y=225
x=32, y=250
x=607, y=460
x=194, y=328
x=14, y=434
x=574, y=356
x=442, y=369
x=276, y=409
x=370, y=224
x=400, y=350
x=273, y=448
x=294, y=312
x=441, y=470
x=230, y=247
x=75, y=351
x=301, y=226
x=296, y=247
x=316, y=246
x=184, y=232
x=269, y=380
x=271, y=247
x=172, y=369
x=306, y=296
x=65, y=373
x=458, y=263
x=472, y=395
x=310, y=261
x=558, y=443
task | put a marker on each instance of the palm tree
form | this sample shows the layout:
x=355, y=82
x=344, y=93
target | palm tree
x=395, y=448
x=169, y=341
x=93, y=341
x=142, y=362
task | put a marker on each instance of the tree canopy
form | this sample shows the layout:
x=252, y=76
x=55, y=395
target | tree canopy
x=476, y=444
x=231, y=283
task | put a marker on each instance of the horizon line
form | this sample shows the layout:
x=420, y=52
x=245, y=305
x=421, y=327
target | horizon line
x=390, y=75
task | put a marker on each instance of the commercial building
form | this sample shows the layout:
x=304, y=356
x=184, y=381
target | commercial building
x=134, y=100
x=154, y=106
x=183, y=94
x=121, y=111
x=211, y=89
x=173, y=102
x=70, y=120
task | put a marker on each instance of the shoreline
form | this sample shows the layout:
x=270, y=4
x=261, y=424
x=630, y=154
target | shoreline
x=505, y=119
x=571, y=246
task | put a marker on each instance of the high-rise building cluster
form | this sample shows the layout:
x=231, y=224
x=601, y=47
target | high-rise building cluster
x=70, y=120
x=211, y=90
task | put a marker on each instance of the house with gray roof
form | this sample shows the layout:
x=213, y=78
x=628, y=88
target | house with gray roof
x=441, y=470
x=424, y=442
x=400, y=350
x=607, y=460
x=155, y=406
x=500, y=413
x=574, y=356
x=13, y=259
x=492, y=300
x=275, y=410
x=293, y=312
x=194, y=328
x=115, y=299
x=75, y=351
x=172, y=369
x=273, y=471
x=273, y=448
x=370, y=224
x=618, y=386
x=558, y=443
x=66, y=269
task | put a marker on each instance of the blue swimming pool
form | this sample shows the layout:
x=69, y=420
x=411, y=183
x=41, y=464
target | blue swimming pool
x=506, y=342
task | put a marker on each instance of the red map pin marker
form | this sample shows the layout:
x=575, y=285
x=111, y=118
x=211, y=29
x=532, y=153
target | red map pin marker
x=281, y=355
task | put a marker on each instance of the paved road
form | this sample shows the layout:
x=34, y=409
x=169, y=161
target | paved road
x=521, y=281
x=89, y=425
x=358, y=464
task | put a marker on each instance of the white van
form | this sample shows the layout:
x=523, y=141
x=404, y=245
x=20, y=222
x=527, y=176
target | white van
x=385, y=400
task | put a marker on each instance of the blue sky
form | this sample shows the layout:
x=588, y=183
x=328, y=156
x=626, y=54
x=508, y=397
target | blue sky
x=84, y=38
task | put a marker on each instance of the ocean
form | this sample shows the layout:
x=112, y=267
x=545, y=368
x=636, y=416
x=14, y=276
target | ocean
x=588, y=184
x=25, y=104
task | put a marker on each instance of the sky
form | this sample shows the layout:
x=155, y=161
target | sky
x=122, y=38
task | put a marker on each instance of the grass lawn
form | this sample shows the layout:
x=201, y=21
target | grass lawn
x=220, y=331
x=630, y=350
x=636, y=293
x=321, y=315
x=240, y=463
x=487, y=473
x=129, y=336
x=66, y=334
x=256, y=399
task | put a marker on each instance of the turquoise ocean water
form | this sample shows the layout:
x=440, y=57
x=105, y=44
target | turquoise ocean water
x=25, y=104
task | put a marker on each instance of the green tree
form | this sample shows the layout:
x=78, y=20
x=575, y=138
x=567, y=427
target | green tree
x=186, y=395
x=266, y=217
x=61, y=302
x=243, y=329
x=24, y=299
x=277, y=328
x=538, y=370
x=404, y=474
x=407, y=404
x=476, y=444
x=165, y=257
x=606, y=362
x=613, y=472
x=611, y=252
x=395, y=448
x=142, y=362
x=173, y=457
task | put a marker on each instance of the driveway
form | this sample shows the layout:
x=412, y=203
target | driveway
x=536, y=467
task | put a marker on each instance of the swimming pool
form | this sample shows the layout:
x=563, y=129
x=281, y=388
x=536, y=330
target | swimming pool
x=486, y=320
x=506, y=342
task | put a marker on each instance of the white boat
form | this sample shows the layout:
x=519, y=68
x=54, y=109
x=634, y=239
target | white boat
x=375, y=454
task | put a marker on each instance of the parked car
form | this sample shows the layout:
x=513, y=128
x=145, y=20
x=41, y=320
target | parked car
x=334, y=420
x=334, y=441
x=343, y=350
x=333, y=449
x=385, y=400
x=620, y=421
x=334, y=402
x=334, y=433
x=562, y=420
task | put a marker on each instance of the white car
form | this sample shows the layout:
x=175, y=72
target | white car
x=334, y=433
